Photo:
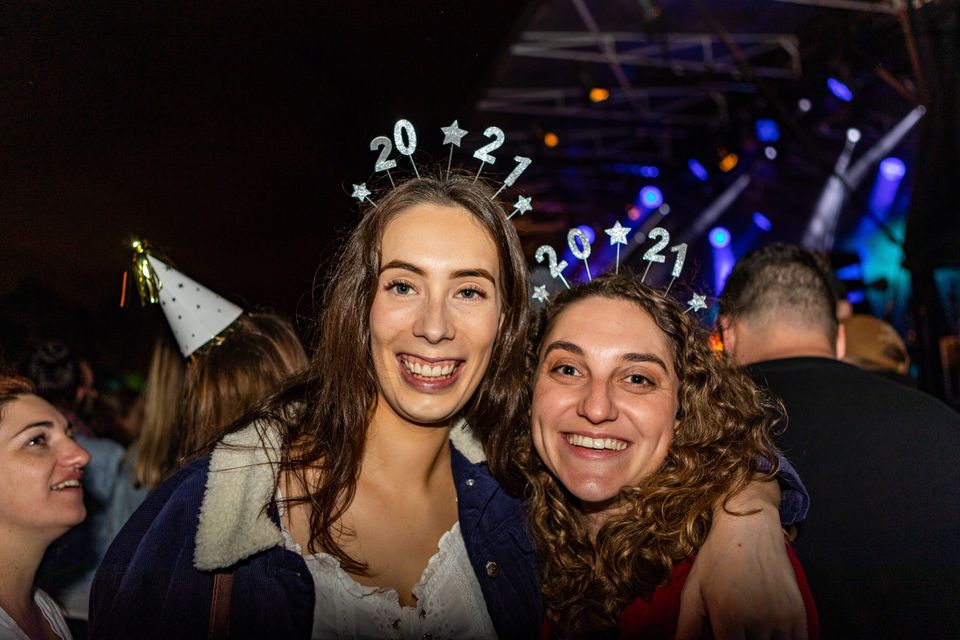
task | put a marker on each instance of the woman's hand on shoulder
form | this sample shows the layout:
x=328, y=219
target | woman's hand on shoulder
x=742, y=583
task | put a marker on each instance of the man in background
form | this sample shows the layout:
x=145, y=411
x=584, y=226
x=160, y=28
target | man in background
x=881, y=543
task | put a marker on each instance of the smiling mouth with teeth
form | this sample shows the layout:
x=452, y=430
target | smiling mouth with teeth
x=67, y=484
x=431, y=371
x=587, y=442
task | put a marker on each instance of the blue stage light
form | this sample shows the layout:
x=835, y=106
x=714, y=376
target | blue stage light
x=852, y=271
x=839, y=89
x=698, y=169
x=767, y=130
x=719, y=237
x=762, y=221
x=649, y=172
x=892, y=168
x=651, y=197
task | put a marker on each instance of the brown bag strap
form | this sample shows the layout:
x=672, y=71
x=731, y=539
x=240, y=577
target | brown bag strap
x=219, y=627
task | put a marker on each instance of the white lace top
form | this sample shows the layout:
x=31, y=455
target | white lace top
x=450, y=603
x=9, y=630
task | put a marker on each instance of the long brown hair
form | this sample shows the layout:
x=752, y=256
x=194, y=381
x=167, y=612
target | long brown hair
x=225, y=379
x=722, y=434
x=338, y=392
x=155, y=451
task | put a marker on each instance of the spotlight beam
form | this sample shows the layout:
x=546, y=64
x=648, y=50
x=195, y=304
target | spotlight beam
x=885, y=145
x=716, y=208
x=846, y=179
x=823, y=224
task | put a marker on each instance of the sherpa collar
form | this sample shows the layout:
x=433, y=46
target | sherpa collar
x=242, y=478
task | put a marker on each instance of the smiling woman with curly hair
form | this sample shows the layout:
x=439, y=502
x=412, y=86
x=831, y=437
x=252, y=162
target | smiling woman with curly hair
x=640, y=430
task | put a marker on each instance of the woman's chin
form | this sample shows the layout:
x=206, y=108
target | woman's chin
x=595, y=498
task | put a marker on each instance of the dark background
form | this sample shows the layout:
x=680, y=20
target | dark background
x=226, y=132
x=229, y=133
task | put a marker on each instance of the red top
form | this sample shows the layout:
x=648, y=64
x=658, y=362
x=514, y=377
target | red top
x=656, y=618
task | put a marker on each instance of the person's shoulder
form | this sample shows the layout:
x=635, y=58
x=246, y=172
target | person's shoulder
x=901, y=395
x=795, y=377
x=166, y=507
x=187, y=484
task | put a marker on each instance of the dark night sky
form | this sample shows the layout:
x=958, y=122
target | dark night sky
x=226, y=132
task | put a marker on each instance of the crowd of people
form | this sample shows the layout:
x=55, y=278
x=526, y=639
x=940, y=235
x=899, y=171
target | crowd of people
x=448, y=463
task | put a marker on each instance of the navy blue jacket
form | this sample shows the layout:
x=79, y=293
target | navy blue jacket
x=147, y=586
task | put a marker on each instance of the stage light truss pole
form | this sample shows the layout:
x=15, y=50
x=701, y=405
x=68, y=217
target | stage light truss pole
x=610, y=54
x=657, y=105
x=641, y=50
x=613, y=138
x=890, y=8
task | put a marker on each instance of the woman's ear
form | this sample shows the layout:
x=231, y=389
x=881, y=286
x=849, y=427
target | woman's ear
x=728, y=335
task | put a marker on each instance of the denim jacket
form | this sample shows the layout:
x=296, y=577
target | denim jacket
x=157, y=578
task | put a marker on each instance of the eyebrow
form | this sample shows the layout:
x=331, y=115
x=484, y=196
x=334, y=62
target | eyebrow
x=629, y=357
x=406, y=266
x=473, y=273
x=562, y=344
x=646, y=357
x=460, y=273
x=46, y=424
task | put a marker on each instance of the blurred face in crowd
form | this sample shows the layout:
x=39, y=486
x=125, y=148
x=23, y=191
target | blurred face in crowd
x=436, y=312
x=40, y=485
x=605, y=399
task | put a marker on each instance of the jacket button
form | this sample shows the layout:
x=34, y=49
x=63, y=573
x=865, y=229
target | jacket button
x=493, y=569
x=470, y=482
x=396, y=624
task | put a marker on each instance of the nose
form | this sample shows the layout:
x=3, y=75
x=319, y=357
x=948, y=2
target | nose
x=597, y=404
x=435, y=323
x=74, y=455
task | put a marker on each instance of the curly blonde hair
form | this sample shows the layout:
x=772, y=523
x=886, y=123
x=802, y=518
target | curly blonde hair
x=721, y=442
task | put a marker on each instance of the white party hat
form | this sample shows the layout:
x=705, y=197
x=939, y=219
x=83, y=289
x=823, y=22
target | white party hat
x=196, y=314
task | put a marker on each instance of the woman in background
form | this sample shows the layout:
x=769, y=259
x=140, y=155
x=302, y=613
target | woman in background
x=226, y=378
x=154, y=455
x=188, y=403
x=41, y=498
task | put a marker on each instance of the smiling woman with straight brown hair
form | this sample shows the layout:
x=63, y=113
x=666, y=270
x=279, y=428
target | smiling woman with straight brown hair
x=423, y=324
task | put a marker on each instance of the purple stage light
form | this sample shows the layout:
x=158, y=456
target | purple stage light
x=762, y=221
x=840, y=90
x=698, y=169
x=651, y=197
x=892, y=168
x=767, y=130
x=649, y=172
x=719, y=237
